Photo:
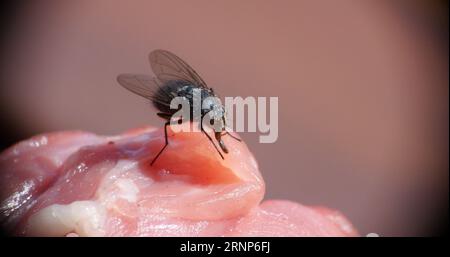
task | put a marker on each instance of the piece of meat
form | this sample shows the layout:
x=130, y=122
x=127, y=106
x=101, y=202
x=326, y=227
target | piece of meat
x=81, y=184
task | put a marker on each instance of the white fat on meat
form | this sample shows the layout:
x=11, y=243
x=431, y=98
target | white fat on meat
x=86, y=218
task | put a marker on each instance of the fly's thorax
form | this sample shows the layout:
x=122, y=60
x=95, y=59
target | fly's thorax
x=214, y=112
x=199, y=99
x=212, y=104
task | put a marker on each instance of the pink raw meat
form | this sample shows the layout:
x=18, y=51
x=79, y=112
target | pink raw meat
x=78, y=183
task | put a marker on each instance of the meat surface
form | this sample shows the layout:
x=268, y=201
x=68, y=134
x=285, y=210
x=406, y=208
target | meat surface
x=82, y=184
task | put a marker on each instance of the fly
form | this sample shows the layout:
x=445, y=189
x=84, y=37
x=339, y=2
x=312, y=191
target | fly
x=175, y=78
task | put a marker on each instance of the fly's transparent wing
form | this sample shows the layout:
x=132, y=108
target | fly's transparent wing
x=167, y=66
x=145, y=86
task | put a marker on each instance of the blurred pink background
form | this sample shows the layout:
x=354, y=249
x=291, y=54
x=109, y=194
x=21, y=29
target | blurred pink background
x=362, y=87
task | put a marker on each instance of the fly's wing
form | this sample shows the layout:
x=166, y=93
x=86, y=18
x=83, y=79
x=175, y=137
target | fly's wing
x=145, y=86
x=167, y=66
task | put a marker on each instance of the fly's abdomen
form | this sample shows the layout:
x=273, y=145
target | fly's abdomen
x=167, y=92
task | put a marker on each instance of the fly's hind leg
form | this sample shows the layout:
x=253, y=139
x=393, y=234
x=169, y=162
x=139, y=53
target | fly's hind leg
x=165, y=116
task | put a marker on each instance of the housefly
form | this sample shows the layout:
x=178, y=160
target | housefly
x=175, y=78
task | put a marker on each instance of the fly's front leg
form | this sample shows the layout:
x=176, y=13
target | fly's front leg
x=228, y=133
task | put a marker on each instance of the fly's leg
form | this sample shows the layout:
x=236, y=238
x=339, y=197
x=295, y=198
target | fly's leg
x=165, y=116
x=228, y=133
x=209, y=137
x=165, y=145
